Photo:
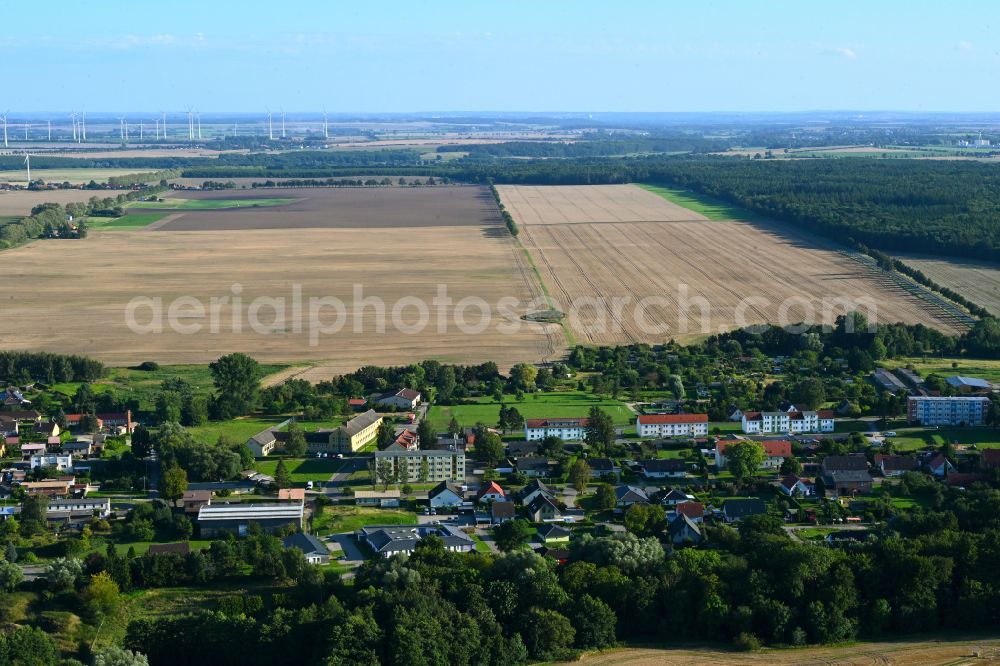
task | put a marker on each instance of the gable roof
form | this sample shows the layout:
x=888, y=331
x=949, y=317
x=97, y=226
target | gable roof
x=566, y=422
x=657, y=419
x=540, y=501
x=843, y=463
x=404, y=393
x=660, y=465
x=446, y=486
x=773, y=448
x=181, y=548
x=630, y=494
x=535, y=463
x=491, y=487
x=896, y=463
x=601, y=464
x=360, y=422
x=307, y=543
x=790, y=482
x=972, y=382
x=938, y=460
x=742, y=507
x=682, y=522
x=502, y=509
x=690, y=509
x=552, y=531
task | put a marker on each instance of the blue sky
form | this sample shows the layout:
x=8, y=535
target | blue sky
x=542, y=55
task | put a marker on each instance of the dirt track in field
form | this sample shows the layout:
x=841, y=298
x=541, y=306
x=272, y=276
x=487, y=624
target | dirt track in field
x=647, y=280
x=71, y=296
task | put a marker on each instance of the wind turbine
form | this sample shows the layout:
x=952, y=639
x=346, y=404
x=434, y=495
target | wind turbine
x=190, y=125
x=198, y=116
x=50, y=129
x=326, y=126
x=164, y=114
x=83, y=126
x=5, y=128
x=282, y=123
x=140, y=129
x=27, y=163
x=27, y=126
x=121, y=127
x=270, y=131
x=73, y=116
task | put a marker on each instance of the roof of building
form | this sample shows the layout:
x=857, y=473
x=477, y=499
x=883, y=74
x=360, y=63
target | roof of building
x=601, y=464
x=682, y=522
x=360, y=422
x=491, y=488
x=393, y=538
x=742, y=507
x=938, y=460
x=307, y=543
x=540, y=501
x=390, y=453
x=404, y=393
x=250, y=512
x=197, y=495
x=690, y=509
x=523, y=448
x=532, y=486
x=377, y=494
x=536, y=463
x=856, y=462
x=294, y=494
x=896, y=463
x=773, y=448
x=660, y=465
x=849, y=476
x=446, y=486
x=265, y=437
x=502, y=509
x=657, y=419
x=565, y=422
x=552, y=531
x=789, y=482
x=630, y=494
x=958, y=381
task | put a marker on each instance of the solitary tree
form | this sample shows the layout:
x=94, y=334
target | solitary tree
x=600, y=432
x=174, y=484
x=743, y=459
x=605, y=499
x=237, y=384
x=425, y=433
x=579, y=474
x=282, y=478
x=512, y=534
x=295, y=445
x=454, y=428
x=386, y=434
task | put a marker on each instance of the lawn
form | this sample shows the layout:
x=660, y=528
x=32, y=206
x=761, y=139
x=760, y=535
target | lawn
x=141, y=547
x=918, y=438
x=130, y=221
x=988, y=369
x=303, y=469
x=814, y=533
x=339, y=519
x=210, y=204
x=713, y=209
x=535, y=405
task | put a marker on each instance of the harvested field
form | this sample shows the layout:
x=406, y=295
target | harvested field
x=71, y=296
x=978, y=281
x=20, y=202
x=742, y=273
x=579, y=204
x=903, y=653
x=72, y=176
x=345, y=208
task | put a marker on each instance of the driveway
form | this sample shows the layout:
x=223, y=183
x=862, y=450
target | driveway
x=349, y=547
x=487, y=538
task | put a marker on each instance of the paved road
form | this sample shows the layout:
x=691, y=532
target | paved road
x=352, y=464
x=349, y=547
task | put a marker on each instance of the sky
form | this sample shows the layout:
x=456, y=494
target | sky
x=538, y=55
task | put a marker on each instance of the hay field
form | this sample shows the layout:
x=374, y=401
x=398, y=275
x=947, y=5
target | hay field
x=746, y=273
x=978, y=281
x=953, y=652
x=73, y=176
x=71, y=296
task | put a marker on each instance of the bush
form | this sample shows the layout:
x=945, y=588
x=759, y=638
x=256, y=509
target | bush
x=148, y=366
x=746, y=642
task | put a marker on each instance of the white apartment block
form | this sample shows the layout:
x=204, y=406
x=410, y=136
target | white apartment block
x=671, y=425
x=566, y=429
x=762, y=423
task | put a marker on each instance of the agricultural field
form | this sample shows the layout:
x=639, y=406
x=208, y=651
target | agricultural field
x=20, y=202
x=978, y=281
x=947, y=650
x=694, y=276
x=392, y=243
x=988, y=369
x=179, y=203
x=74, y=176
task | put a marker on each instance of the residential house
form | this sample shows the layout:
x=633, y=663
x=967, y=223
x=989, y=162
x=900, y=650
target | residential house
x=77, y=511
x=26, y=415
x=12, y=397
x=62, y=462
x=762, y=423
x=695, y=511
x=9, y=426
x=523, y=449
x=851, y=463
x=671, y=425
x=406, y=440
x=775, y=452
x=117, y=421
x=735, y=510
x=797, y=486
x=543, y=509
x=566, y=429
x=30, y=449
x=664, y=468
x=389, y=540
x=80, y=449
x=357, y=404
x=673, y=497
x=735, y=414
x=193, y=500
x=491, y=492
x=938, y=465
x=895, y=465
x=947, y=411
x=560, y=555
x=602, y=467
x=683, y=530
x=626, y=496
x=969, y=384
x=217, y=519
x=422, y=465
x=47, y=429
x=315, y=551
x=401, y=399
x=501, y=512
x=573, y=515
x=552, y=534
x=61, y=487
x=384, y=499
x=848, y=481
x=446, y=494
x=532, y=466
x=529, y=492
x=354, y=434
